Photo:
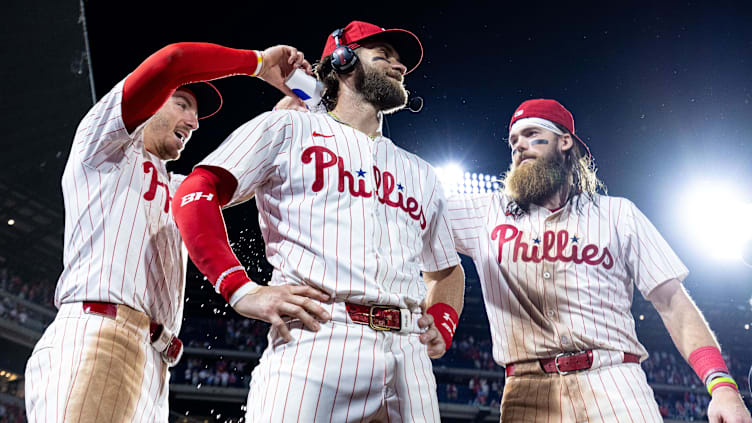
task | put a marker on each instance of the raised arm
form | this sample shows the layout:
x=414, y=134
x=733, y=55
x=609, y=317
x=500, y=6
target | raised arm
x=154, y=81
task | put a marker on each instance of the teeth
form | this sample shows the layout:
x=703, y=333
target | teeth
x=179, y=135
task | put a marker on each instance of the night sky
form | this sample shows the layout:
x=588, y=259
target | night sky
x=661, y=93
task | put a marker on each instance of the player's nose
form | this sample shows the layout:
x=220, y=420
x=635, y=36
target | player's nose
x=192, y=121
x=522, y=144
x=399, y=67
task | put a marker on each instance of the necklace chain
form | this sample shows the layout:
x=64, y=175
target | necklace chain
x=335, y=117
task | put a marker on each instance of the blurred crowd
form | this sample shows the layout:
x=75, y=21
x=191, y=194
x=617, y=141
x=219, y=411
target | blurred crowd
x=208, y=372
x=11, y=413
x=38, y=291
x=468, y=351
x=683, y=406
x=669, y=368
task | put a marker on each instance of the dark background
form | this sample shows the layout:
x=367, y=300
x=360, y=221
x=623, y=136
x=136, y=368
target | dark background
x=661, y=92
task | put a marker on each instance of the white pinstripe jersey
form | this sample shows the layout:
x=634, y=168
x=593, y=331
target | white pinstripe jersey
x=354, y=216
x=564, y=280
x=121, y=243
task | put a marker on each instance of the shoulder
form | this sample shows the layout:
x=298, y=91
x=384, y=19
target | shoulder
x=414, y=160
x=612, y=203
x=109, y=106
x=475, y=204
x=276, y=119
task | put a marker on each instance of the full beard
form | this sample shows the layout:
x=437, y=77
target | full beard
x=386, y=94
x=535, y=182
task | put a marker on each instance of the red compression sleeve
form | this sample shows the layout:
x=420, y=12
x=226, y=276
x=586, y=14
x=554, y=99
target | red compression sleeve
x=154, y=81
x=196, y=209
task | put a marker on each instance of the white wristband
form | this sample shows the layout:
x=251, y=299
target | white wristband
x=224, y=274
x=259, y=62
x=249, y=287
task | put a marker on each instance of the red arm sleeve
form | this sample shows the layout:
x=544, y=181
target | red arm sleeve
x=196, y=208
x=153, y=82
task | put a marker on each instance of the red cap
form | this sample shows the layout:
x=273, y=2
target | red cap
x=208, y=98
x=550, y=110
x=404, y=42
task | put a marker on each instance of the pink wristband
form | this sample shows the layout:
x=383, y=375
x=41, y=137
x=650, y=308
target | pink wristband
x=707, y=360
x=445, y=319
x=729, y=384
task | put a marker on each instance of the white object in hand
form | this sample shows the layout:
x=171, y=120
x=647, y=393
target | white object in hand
x=306, y=87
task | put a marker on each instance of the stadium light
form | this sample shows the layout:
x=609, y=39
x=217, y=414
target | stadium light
x=458, y=181
x=718, y=220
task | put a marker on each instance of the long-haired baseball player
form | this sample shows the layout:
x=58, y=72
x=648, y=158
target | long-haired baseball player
x=558, y=264
x=345, y=212
x=106, y=355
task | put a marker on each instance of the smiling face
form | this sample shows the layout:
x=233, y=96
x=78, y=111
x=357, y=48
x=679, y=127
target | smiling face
x=380, y=77
x=167, y=132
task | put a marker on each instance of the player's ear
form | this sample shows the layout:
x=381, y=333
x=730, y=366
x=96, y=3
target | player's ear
x=566, y=142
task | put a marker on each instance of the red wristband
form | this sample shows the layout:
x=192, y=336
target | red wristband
x=445, y=319
x=707, y=360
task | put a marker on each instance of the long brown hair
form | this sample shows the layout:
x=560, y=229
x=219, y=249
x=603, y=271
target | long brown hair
x=583, y=170
x=328, y=76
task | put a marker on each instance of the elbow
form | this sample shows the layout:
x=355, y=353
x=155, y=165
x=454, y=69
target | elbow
x=172, y=53
x=665, y=296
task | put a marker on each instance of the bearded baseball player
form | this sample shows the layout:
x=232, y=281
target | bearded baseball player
x=106, y=355
x=558, y=264
x=347, y=213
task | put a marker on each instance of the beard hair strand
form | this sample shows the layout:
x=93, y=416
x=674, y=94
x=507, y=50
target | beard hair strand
x=386, y=94
x=534, y=182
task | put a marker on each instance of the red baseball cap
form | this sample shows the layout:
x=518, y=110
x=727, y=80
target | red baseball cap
x=404, y=42
x=550, y=110
x=208, y=98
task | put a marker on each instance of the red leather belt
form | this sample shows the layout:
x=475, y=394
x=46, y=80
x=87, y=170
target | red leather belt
x=569, y=362
x=377, y=317
x=168, y=345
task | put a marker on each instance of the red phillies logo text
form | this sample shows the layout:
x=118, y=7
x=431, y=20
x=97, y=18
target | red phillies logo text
x=553, y=248
x=323, y=158
x=154, y=184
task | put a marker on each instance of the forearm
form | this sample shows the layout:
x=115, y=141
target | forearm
x=446, y=286
x=682, y=318
x=444, y=300
x=692, y=335
x=152, y=83
x=197, y=212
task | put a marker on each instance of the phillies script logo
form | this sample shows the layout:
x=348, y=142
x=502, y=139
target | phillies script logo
x=323, y=158
x=154, y=184
x=553, y=248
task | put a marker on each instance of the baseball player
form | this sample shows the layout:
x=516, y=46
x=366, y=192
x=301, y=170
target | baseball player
x=344, y=212
x=105, y=357
x=558, y=264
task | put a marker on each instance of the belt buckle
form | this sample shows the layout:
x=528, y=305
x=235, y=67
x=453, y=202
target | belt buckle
x=556, y=362
x=376, y=326
x=169, y=346
x=174, y=351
